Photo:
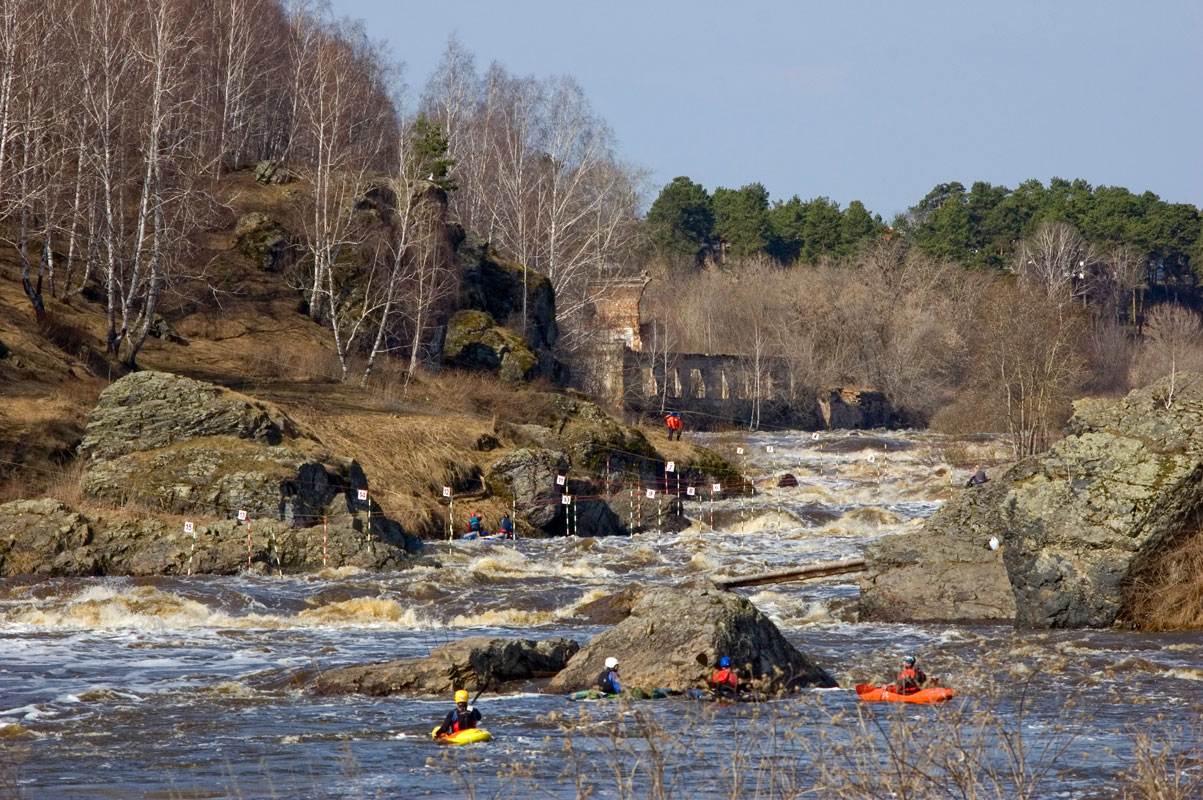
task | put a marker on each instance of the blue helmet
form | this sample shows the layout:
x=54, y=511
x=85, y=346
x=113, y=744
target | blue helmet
x=908, y=660
x=724, y=662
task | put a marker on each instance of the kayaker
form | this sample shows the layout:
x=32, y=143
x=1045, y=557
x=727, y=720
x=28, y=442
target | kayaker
x=608, y=681
x=474, y=523
x=724, y=682
x=462, y=717
x=911, y=677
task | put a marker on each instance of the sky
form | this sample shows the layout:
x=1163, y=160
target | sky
x=870, y=101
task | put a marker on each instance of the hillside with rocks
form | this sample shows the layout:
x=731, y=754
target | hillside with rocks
x=239, y=405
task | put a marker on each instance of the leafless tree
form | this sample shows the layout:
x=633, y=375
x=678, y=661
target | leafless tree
x=1174, y=334
x=1057, y=258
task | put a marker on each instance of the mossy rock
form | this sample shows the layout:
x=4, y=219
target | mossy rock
x=496, y=286
x=264, y=241
x=474, y=340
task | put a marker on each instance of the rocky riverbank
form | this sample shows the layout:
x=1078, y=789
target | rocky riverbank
x=1064, y=539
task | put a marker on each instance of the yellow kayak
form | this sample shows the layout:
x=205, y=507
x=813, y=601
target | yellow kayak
x=466, y=736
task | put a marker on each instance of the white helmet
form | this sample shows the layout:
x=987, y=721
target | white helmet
x=611, y=662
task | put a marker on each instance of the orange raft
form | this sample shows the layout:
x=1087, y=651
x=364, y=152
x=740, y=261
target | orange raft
x=932, y=694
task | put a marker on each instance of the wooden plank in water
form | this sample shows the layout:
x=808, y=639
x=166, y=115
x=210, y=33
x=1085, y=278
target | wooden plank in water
x=820, y=570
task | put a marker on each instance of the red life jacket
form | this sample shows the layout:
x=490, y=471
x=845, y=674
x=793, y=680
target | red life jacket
x=908, y=674
x=724, y=676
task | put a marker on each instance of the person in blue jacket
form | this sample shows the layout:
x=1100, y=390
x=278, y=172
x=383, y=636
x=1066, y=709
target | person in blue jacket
x=506, y=527
x=608, y=680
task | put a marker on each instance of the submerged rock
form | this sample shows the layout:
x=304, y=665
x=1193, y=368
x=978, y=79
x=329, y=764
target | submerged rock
x=673, y=639
x=1076, y=528
x=472, y=664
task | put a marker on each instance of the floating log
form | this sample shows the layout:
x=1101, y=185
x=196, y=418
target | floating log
x=820, y=570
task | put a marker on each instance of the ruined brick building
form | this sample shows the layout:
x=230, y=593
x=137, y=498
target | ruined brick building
x=629, y=372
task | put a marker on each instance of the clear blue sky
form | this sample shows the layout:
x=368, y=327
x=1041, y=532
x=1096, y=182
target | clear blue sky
x=869, y=101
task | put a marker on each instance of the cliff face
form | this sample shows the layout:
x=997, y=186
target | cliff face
x=1077, y=527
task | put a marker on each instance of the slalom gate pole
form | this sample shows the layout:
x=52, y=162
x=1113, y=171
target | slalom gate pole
x=576, y=517
x=712, y=507
x=248, y=544
x=190, y=528
x=325, y=539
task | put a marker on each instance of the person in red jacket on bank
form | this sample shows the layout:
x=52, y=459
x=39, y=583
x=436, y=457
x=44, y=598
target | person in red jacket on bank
x=674, y=423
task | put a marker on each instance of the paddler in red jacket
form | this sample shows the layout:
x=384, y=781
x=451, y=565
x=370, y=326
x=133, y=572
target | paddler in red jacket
x=724, y=682
x=911, y=677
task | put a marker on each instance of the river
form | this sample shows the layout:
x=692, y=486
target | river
x=194, y=687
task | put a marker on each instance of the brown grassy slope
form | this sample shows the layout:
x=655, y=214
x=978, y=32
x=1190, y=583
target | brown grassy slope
x=243, y=330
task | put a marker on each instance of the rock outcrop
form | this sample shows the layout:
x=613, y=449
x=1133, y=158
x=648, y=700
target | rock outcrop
x=264, y=241
x=471, y=664
x=846, y=407
x=50, y=539
x=1076, y=526
x=187, y=447
x=475, y=341
x=674, y=637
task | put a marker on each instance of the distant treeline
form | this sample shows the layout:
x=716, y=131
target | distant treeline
x=981, y=227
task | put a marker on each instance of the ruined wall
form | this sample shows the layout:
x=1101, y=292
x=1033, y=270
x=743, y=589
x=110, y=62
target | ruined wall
x=711, y=391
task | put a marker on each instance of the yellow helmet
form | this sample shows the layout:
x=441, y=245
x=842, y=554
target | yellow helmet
x=461, y=696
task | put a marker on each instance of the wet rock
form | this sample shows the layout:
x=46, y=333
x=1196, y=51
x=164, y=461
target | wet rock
x=1077, y=526
x=674, y=637
x=947, y=572
x=471, y=664
x=49, y=538
x=787, y=480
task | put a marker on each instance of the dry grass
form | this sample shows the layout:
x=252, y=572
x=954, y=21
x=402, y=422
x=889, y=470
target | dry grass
x=1169, y=594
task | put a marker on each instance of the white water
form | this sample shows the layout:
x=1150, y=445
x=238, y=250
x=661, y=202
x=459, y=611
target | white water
x=194, y=687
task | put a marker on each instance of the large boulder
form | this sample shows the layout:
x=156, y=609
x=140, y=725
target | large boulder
x=674, y=637
x=497, y=286
x=264, y=241
x=528, y=476
x=50, y=539
x=1077, y=526
x=471, y=664
x=187, y=447
x=474, y=340
x=947, y=573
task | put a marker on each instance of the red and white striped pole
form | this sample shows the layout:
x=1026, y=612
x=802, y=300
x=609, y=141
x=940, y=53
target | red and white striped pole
x=325, y=539
x=242, y=518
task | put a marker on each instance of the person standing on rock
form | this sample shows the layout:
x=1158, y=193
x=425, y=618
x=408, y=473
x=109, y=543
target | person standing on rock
x=608, y=681
x=506, y=527
x=911, y=677
x=724, y=682
x=462, y=717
